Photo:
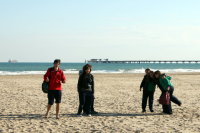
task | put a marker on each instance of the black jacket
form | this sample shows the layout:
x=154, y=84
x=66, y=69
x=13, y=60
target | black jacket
x=144, y=83
x=86, y=83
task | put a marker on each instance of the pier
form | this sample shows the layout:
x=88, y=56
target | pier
x=142, y=61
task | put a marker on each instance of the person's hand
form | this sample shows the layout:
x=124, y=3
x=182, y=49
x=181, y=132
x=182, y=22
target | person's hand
x=140, y=89
x=168, y=88
x=64, y=81
x=47, y=80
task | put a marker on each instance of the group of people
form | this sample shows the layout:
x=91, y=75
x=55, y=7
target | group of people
x=162, y=81
x=85, y=87
x=55, y=77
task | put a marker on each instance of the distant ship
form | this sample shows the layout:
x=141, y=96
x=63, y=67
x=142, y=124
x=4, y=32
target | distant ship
x=12, y=61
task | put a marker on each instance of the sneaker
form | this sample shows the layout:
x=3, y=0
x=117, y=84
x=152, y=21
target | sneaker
x=152, y=110
x=79, y=115
x=89, y=115
x=94, y=113
x=143, y=111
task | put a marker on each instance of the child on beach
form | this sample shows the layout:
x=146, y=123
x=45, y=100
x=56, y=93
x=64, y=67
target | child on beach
x=165, y=81
x=86, y=91
x=148, y=86
x=54, y=76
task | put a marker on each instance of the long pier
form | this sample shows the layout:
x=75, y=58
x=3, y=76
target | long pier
x=142, y=61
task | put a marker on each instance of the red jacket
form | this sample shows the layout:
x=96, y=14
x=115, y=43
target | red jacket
x=55, y=78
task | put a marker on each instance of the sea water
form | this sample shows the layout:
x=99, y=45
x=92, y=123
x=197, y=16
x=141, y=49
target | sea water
x=40, y=68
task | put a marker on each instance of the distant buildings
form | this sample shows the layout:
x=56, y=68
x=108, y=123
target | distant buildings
x=97, y=61
x=12, y=61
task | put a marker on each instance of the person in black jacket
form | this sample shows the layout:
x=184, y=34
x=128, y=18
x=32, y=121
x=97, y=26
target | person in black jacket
x=92, y=106
x=143, y=83
x=148, y=86
x=86, y=91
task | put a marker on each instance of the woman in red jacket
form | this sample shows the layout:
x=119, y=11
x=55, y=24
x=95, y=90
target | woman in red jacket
x=54, y=76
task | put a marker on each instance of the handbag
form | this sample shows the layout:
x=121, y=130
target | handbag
x=165, y=98
x=45, y=87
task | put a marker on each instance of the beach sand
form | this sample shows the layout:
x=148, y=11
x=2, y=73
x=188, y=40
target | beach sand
x=118, y=100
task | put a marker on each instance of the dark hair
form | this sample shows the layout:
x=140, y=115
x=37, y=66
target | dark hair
x=57, y=61
x=152, y=72
x=85, y=67
x=158, y=72
x=148, y=69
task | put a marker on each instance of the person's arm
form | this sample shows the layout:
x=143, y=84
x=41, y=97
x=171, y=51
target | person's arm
x=79, y=83
x=142, y=84
x=160, y=86
x=46, y=76
x=169, y=78
x=63, y=78
x=92, y=84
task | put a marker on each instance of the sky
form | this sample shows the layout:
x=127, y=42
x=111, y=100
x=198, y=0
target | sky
x=75, y=30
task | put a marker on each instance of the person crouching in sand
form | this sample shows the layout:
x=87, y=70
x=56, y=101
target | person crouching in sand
x=85, y=90
x=55, y=77
x=148, y=86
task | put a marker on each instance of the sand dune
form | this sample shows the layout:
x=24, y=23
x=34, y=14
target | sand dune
x=118, y=100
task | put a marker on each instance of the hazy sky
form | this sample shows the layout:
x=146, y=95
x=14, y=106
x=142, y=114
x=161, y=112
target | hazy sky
x=75, y=30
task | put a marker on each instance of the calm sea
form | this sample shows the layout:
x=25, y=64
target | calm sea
x=40, y=68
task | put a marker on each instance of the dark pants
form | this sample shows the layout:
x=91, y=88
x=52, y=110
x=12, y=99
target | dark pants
x=85, y=102
x=172, y=97
x=147, y=95
x=167, y=109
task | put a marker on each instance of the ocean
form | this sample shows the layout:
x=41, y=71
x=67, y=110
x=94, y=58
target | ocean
x=40, y=68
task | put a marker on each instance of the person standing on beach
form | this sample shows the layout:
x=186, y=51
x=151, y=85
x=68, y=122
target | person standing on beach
x=148, y=86
x=86, y=91
x=55, y=77
x=93, y=112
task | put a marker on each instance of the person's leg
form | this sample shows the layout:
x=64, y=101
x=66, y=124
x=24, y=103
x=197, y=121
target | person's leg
x=92, y=105
x=57, y=110
x=151, y=98
x=82, y=102
x=50, y=102
x=89, y=102
x=58, y=97
x=168, y=109
x=144, y=101
x=173, y=98
x=48, y=109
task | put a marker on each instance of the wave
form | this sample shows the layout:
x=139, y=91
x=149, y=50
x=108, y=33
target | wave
x=75, y=71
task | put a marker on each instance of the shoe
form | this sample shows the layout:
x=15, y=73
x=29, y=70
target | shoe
x=94, y=113
x=89, y=115
x=79, y=115
x=143, y=111
x=180, y=104
x=152, y=110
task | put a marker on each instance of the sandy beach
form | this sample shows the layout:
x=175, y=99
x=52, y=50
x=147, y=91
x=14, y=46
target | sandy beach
x=118, y=100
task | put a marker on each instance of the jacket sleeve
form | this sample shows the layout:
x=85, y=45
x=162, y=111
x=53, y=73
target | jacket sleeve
x=169, y=78
x=92, y=84
x=79, y=83
x=47, y=74
x=142, y=83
